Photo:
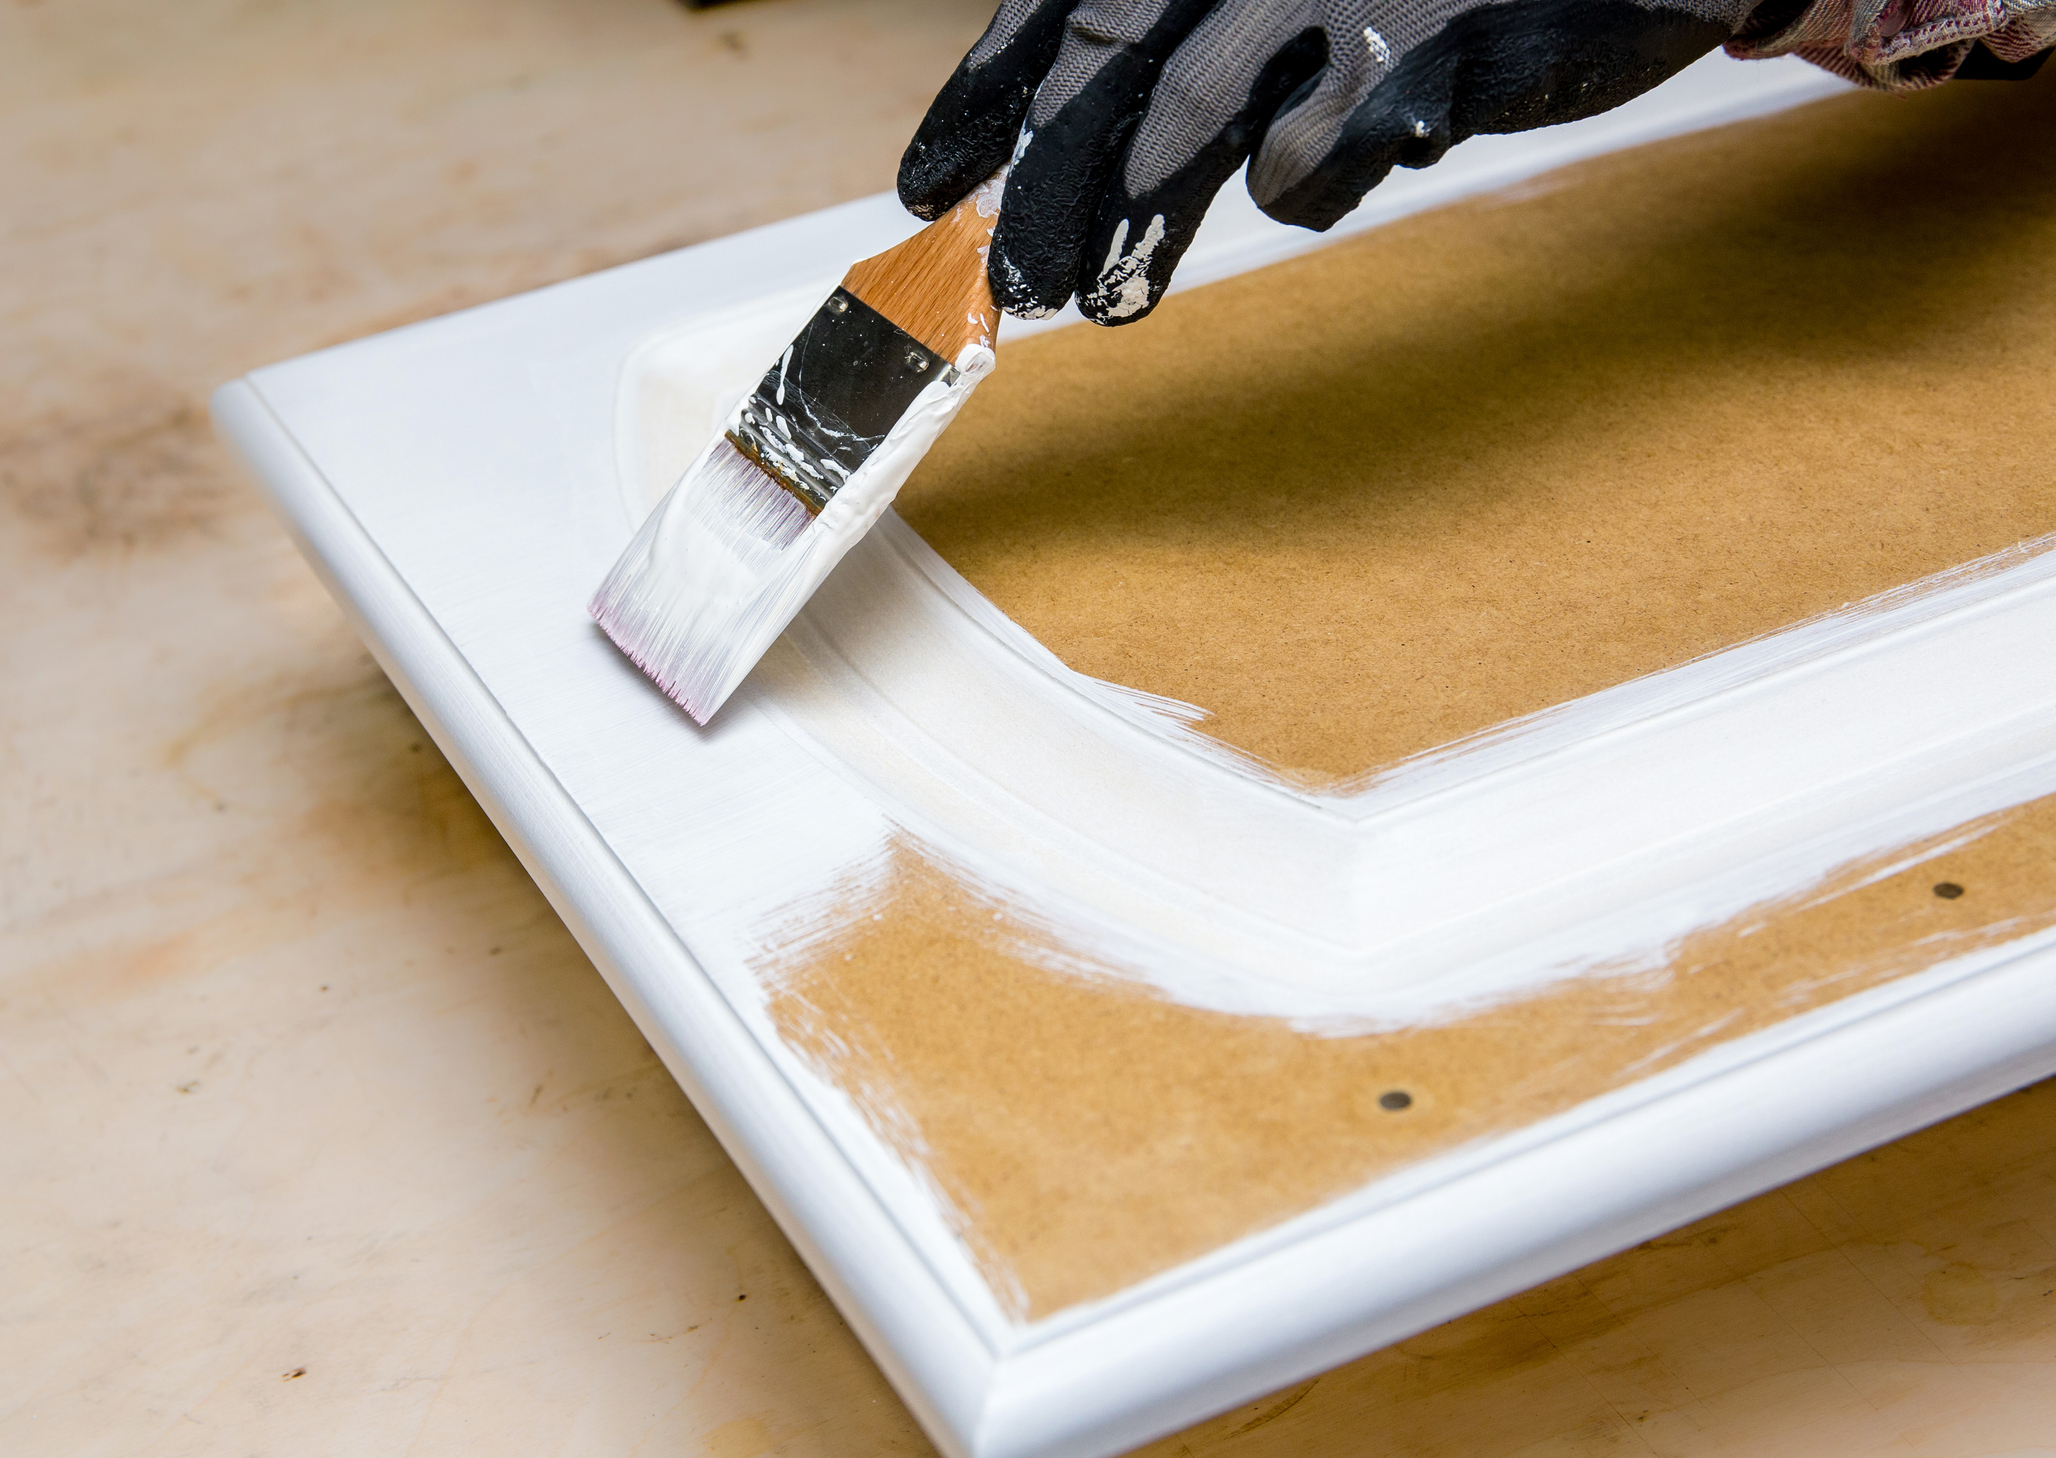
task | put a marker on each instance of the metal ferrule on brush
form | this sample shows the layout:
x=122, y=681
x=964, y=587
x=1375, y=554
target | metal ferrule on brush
x=833, y=397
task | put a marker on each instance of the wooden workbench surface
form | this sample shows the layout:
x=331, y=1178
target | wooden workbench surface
x=320, y=1134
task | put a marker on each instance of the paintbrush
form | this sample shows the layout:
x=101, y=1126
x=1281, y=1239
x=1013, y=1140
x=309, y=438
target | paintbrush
x=808, y=461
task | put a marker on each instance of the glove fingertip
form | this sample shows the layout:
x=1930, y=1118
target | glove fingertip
x=1133, y=300
x=967, y=135
x=1137, y=248
x=1019, y=291
x=1309, y=208
x=917, y=185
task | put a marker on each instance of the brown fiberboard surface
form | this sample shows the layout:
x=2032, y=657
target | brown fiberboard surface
x=1519, y=450
x=1090, y=1133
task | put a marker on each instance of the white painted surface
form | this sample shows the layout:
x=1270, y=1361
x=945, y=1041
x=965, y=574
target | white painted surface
x=460, y=485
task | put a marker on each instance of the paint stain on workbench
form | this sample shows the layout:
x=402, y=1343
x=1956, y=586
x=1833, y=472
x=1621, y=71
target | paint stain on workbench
x=141, y=473
x=393, y=797
x=1959, y=1295
x=743, y=1437
x=1088, y=1133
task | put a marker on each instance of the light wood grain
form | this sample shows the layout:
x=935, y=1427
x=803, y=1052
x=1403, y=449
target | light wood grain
x=297, y=1069
x=934, y=285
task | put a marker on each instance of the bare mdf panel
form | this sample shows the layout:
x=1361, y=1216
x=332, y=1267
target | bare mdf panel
x=1089, y=1133
x=1519, y=450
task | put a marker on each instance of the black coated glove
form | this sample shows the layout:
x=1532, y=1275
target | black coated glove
x=1124, y=117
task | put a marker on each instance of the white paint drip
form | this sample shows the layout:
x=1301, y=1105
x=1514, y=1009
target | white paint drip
x=1378, y=48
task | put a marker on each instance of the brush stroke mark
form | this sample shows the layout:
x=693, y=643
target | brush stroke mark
x=1087, y=1133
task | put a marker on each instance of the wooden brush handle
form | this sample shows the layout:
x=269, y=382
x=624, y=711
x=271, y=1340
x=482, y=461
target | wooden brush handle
x=934, y=284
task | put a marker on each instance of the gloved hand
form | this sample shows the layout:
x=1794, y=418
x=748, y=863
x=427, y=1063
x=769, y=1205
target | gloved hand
x=1130, y=114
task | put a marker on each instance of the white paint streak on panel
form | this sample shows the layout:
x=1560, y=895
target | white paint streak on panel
x=1593, y=836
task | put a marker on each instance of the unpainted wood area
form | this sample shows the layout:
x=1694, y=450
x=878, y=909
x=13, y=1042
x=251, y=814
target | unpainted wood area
x=1091, y=1133
x=1489, y=459
x=321, y=1134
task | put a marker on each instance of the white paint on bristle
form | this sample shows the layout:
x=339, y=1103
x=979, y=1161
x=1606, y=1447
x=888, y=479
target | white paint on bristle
x=726, y=560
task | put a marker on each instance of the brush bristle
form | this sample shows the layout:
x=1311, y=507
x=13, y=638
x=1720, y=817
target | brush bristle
x=752, y=497
x=727, y=520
